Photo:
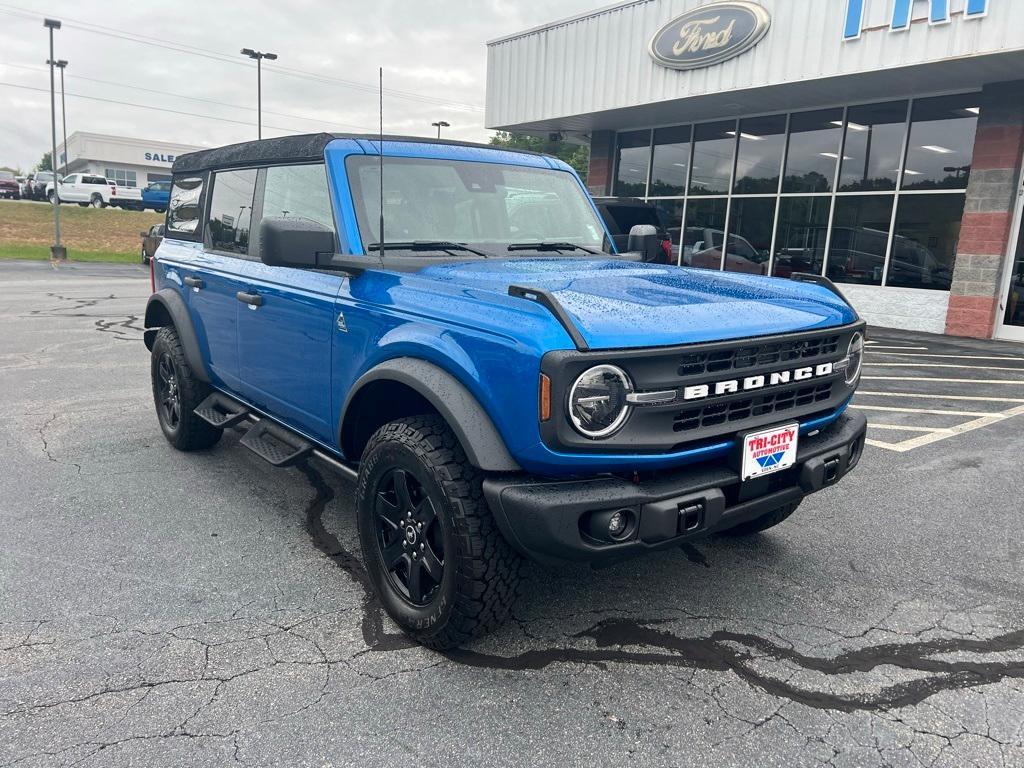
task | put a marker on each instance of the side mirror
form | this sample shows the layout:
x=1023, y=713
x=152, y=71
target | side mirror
x=288, y=241
x=643, y=239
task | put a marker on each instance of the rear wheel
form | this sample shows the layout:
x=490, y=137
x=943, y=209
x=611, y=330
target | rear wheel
x=434, y=554
x=176, y=393
x=145, y=258
x=96, y=201
x=764, y=522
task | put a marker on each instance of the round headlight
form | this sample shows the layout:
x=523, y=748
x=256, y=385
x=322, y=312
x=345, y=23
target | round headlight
x=597, y=401
x=855, y=358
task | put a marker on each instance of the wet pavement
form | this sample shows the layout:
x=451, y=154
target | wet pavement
x=160, y=608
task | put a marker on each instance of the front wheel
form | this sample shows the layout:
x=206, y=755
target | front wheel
x=764, y=522
x=176, y=393
x=434, y=554
x=52, y=197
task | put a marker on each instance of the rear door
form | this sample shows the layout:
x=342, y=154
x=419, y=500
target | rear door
x=287, y=322
x=215, y=277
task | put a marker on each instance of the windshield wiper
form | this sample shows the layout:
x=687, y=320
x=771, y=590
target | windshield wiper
x=427, y=245
x=552, y=246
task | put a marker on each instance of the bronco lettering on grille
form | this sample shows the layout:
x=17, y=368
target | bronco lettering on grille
x=733, y=386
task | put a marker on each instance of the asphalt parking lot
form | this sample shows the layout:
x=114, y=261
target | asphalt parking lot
x=158, y=608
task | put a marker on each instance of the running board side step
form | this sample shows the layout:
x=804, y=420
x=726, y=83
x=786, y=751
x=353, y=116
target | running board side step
x=275, y=444
x=221, y=411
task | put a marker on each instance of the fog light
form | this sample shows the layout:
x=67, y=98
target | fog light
x=616, y=524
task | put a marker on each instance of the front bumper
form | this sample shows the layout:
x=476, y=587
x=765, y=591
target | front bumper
x=553, y=521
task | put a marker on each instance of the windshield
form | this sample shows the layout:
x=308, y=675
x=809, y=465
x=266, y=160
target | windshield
x=483, y=204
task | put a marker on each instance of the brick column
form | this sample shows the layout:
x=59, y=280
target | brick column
x=602, y=157
x=988, y=215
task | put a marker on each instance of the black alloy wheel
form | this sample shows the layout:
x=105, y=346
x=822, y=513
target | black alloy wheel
x=170, y=395
x=409, y=537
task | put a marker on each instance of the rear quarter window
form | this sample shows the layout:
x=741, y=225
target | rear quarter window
x=185, y=207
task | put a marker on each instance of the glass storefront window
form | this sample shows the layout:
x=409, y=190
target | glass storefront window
x=941, y=143
x=801, y=234
x=924, y=242
x=634, y=155
x=702, y=236
x=671, y=161
x=762, y=142
x=748, y=245
x=713, y=149
x=813, y=151
x=874, y=145
x=860, y=238
x=670, y=214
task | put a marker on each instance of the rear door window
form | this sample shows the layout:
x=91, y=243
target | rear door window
x=185, y=207
x=231, y=211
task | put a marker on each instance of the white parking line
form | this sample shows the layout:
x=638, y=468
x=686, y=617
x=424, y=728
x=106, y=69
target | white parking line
x=943, y=365
x=872, y=346
x=969, y=426
x=954, y=357
x=933, y=396
x=932, y=411
x=1018, y=382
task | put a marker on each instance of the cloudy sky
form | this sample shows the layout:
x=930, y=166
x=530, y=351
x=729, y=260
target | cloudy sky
x=183, y=57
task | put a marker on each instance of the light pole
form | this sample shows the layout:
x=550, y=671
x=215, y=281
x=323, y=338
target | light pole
x=259, y=56
x=439, y=125
x=60, y=64
x=57, y=252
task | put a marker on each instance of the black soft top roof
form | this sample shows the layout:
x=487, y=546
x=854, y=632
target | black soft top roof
x=294, y=149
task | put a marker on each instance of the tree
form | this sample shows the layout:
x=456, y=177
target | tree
x=46, y=164
x=576, y=155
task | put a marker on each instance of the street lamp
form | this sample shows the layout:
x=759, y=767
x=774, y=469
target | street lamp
x=439, y=125
x=57, y=252
x=60, y=64
x=259, y=56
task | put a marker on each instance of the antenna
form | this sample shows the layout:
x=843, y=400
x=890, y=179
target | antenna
x=380, y=91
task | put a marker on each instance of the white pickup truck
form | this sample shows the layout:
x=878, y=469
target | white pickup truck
x=89, y=189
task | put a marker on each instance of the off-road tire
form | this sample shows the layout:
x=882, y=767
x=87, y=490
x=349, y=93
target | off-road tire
x=189, y=433
x=482, y=573
x=764, y=522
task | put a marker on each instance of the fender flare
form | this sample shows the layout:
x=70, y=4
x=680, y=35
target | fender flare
x=167, y=304
x=470, y=422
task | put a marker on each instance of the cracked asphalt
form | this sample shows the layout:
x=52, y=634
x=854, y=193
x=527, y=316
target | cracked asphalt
x=169, y=609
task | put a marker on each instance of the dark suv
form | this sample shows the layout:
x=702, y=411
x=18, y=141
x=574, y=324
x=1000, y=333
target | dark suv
x=621, y=214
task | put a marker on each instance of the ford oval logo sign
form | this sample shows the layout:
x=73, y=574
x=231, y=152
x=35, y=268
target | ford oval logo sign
x=709, y=35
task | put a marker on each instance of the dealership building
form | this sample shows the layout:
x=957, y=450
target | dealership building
x=128, y=162
x=877, y=142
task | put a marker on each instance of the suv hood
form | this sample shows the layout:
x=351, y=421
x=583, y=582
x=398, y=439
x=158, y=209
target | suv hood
x=619, y=304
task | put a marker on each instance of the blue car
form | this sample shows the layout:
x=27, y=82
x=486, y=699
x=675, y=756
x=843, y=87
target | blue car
x=450, y=326
x=156, y=195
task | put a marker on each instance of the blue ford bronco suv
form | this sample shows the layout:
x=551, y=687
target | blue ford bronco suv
x=449, y=325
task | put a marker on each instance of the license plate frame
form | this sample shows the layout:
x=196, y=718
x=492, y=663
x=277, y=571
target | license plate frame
x=767, y=451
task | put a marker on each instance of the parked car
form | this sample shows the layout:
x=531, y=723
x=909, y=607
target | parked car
x=156, y=194
x=492, y=394
x=36, y=184
x=702, y=247
x=9, y=186
x=151, y=241
x=88, y=189
x=621, y=214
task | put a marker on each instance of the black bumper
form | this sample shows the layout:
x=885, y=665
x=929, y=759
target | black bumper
x=551, y=520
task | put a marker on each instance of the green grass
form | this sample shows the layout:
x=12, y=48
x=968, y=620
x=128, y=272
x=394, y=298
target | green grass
x=42, y=253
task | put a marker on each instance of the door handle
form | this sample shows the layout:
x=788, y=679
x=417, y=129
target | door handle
x=252, y=299
x=193, y=282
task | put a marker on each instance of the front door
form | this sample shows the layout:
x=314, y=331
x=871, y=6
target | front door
x=1011, y=306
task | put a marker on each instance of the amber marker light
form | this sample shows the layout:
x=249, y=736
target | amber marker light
x=545, y=398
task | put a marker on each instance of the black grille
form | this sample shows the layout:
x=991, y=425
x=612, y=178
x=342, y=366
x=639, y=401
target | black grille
x=714, y=414
x=756, y=355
